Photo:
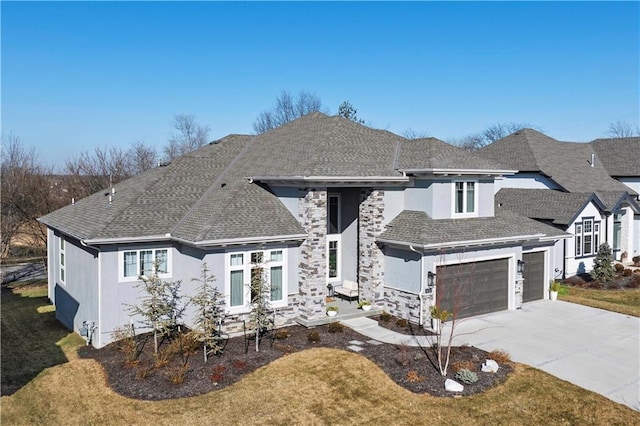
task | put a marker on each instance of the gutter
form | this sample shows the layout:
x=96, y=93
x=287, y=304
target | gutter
x=352, y=179
x=437, y=171
x=168, y=237
x=462, y=243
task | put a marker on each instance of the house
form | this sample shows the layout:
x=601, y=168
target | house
x=314, y=202
x=568, y=185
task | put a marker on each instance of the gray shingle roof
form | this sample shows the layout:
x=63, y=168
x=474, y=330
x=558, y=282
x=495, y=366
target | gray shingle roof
x=557, y=207
x=431, y=153
x=205, y=196
x=567, y=163
x=620, y=156
x=416, y=227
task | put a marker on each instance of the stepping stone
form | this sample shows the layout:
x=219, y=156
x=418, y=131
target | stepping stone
x=355, y=348
x=356, y=342
x=374, y=342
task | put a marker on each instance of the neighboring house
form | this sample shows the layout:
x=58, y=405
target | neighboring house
x=621, y=158
x=315, y=202
x=563, y=168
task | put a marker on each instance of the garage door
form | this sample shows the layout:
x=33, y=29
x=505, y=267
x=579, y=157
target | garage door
x=473, y=288
x=533, y=286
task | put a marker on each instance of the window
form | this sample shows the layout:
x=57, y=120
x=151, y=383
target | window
x=464, y=197
x=62, y=260
x=617, y=231
x=587, y=237
x=333, y=259
x=333, y=214
x=245, y=267
x=136, y=263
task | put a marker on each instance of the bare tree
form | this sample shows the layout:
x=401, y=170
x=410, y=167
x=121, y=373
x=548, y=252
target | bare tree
x=187, y=136
x=26, y=193
x=622, y=129
x=90, y=173
x=287, y=109
x=490, y=134
x=415, y=134
x=348, y=111
x=142, y=157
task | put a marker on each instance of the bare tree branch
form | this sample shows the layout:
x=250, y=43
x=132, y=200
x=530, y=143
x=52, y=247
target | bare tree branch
x=187, y=136
x=287, y=109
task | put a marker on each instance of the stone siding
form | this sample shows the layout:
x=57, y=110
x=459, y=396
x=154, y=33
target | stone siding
x=371, y=267
x=407, y=305
x=313, y=256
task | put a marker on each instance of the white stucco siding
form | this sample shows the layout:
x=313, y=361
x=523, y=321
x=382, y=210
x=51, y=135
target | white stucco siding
x=393, y=204
x=75, y=291
x=582, y=262
x=525, y=181
x=631, y=182
x=402, y=270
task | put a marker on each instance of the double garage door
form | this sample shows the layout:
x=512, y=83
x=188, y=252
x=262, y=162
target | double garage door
x=481, y=287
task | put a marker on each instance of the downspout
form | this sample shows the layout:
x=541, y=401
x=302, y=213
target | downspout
x=420, y=295
x=564, y=259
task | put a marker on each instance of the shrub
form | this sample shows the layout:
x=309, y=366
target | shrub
x=636, y=260
x=144, y=370
x=282, y=334
x=634, y=282
x=162, y=357
x=618, y=267
x=402, y=323
x=627, y=272
x=313, y=336
x=336, y=327
x=463, y=365
x=176, y=374
x=575, y=281
x=466, y=376
x=238, y=365
x=385, y=316
x=126, y=342
x=403, y=355
x=499, y=356
x=413, y=376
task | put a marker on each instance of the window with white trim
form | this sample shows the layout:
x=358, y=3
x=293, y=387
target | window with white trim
x=62, y=260
x=465, y=198
x=137, y=263
x=242, y=267
x=587, y=237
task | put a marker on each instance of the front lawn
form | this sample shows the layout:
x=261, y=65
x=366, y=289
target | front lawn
x=314, y=386
x=622, y=301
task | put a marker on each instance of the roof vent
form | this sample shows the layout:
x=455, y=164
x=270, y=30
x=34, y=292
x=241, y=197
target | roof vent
x=222, y=185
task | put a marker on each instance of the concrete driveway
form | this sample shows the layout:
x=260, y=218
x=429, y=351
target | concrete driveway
x=592, y=348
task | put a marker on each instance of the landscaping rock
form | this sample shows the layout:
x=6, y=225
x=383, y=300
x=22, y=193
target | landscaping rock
x=490, y=366
x=453, y=386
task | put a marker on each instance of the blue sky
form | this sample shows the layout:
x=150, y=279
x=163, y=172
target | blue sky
x=84, y=74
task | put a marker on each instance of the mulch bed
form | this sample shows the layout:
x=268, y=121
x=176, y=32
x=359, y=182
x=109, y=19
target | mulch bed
x=411, y=367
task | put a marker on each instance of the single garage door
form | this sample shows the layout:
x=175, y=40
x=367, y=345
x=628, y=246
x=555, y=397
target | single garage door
x=473, y=288
x=533, y=285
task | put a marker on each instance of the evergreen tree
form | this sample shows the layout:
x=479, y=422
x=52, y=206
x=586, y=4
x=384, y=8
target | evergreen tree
x=603, y=270
x=210, y=312
x=260, y=317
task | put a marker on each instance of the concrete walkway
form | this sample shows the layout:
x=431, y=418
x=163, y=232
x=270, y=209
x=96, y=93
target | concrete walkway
x=592, y=348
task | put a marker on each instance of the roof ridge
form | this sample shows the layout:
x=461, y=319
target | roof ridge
x=213, y=185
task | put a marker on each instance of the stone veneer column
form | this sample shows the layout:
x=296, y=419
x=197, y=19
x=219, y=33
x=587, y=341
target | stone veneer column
x=370, y=268
x=313, y=257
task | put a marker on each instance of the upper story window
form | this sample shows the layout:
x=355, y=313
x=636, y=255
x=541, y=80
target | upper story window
x=587, y=237
x=244, y=267
x=137, y=263
x=62, y=260
x=465, y=198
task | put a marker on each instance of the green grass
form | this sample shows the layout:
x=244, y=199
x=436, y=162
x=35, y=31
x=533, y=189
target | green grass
x=622, y=301
x=316, y=386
